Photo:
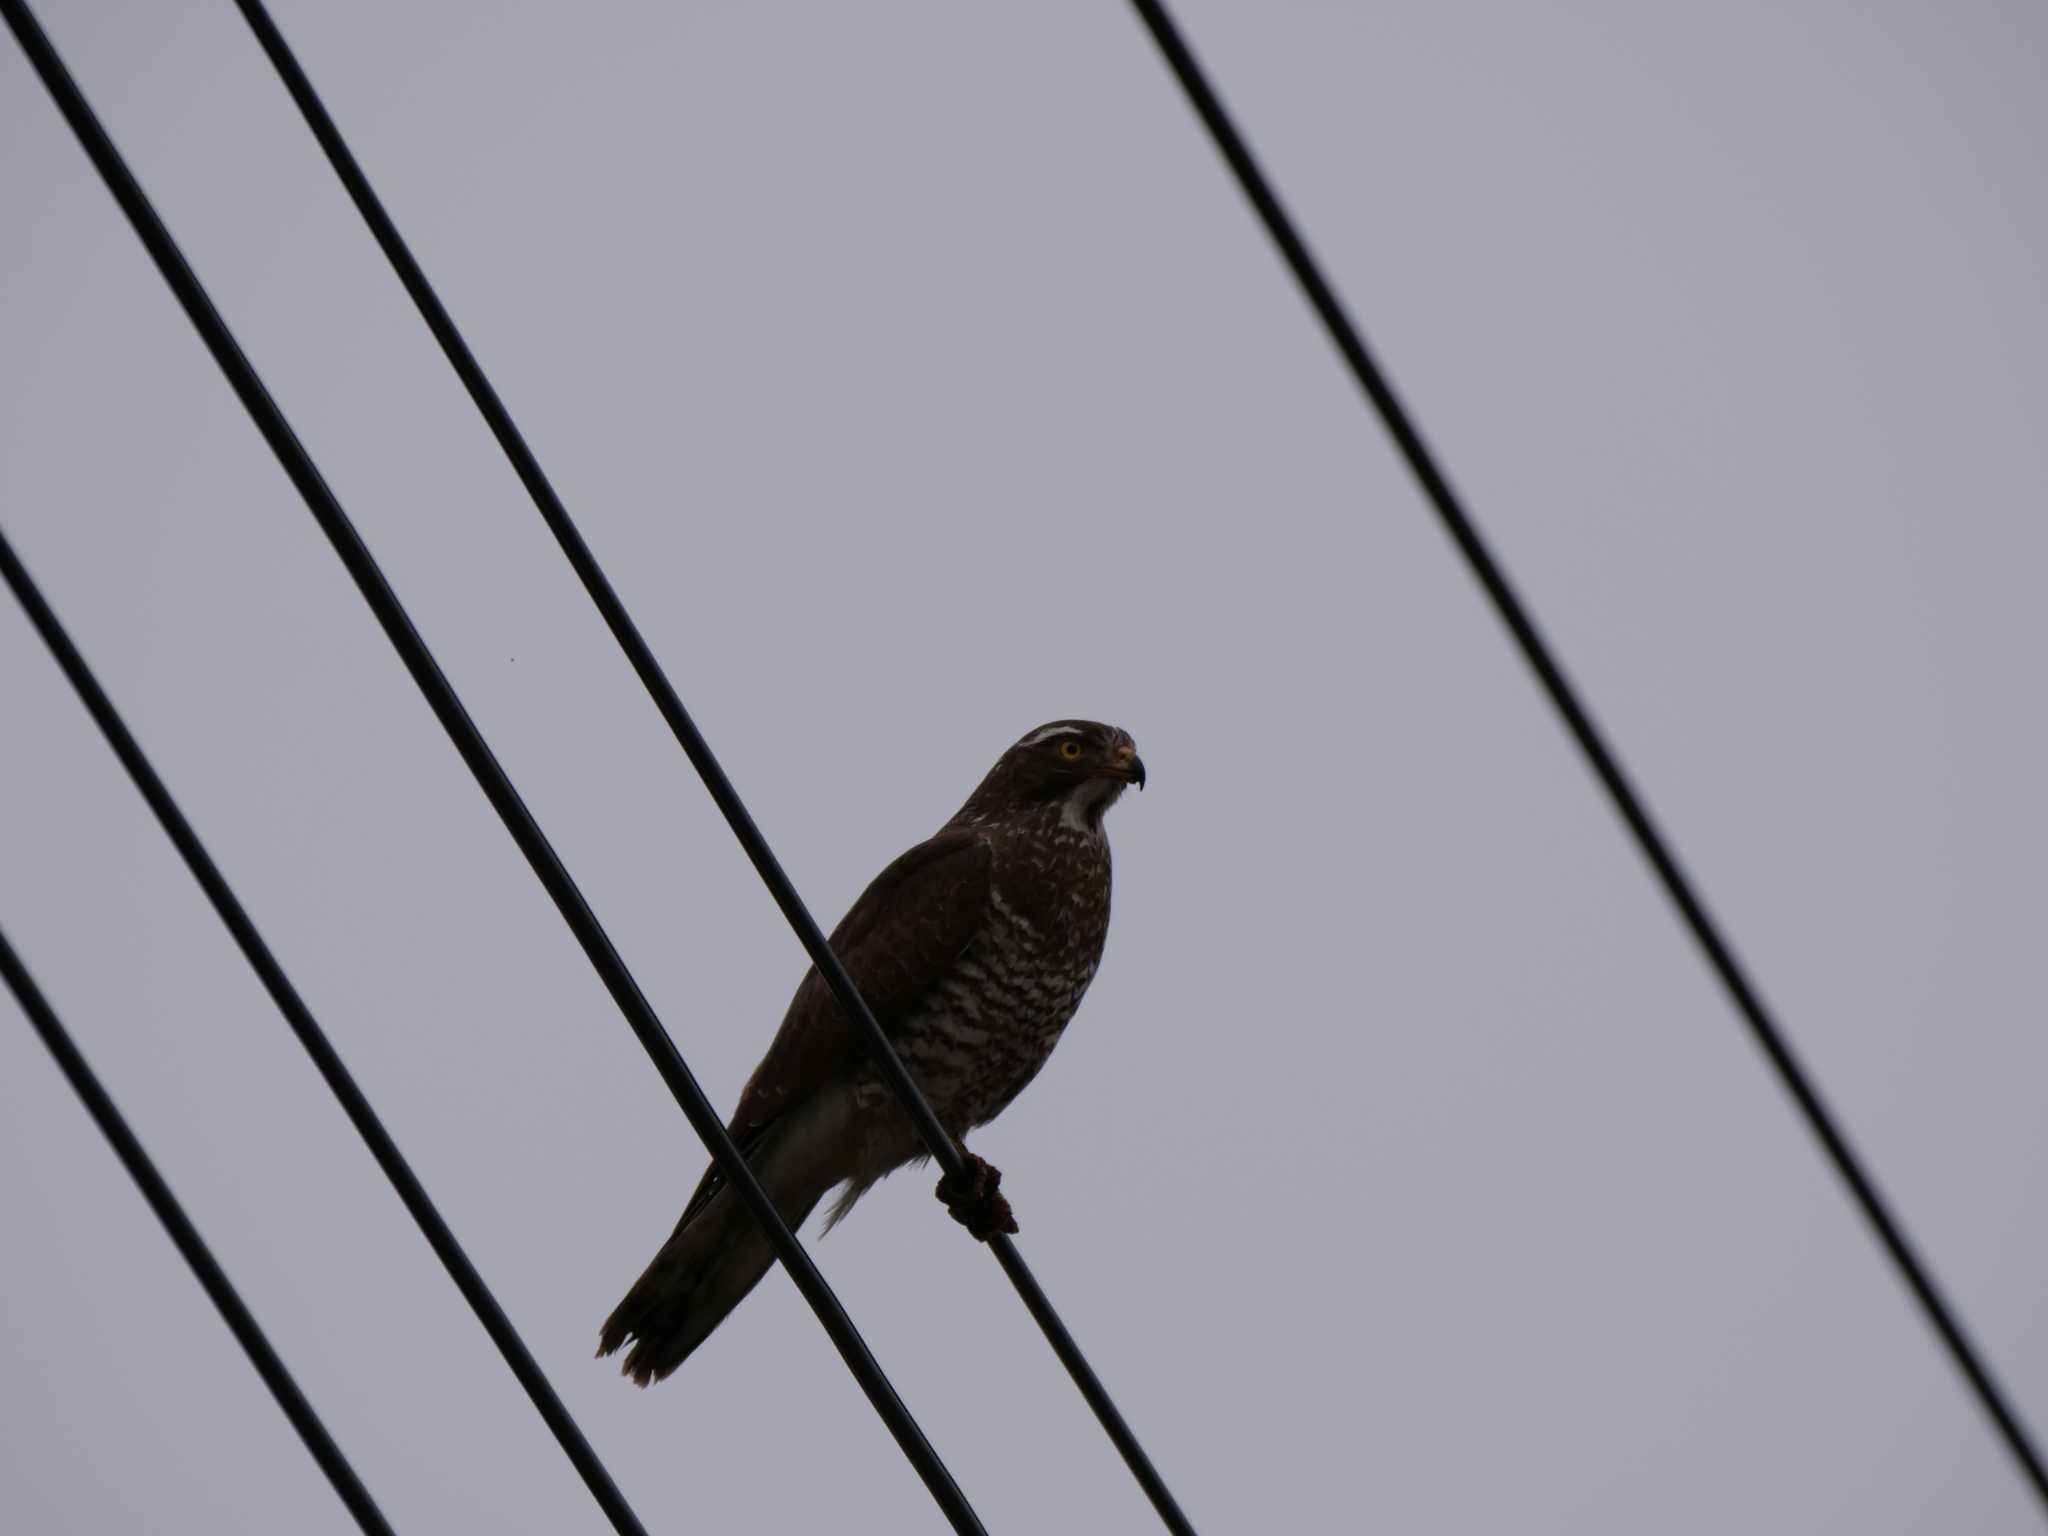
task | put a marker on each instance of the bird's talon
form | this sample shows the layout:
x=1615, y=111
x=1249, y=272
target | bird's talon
x=974, y=1201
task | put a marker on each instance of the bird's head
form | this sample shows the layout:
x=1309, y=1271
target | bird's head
x=1078, y=766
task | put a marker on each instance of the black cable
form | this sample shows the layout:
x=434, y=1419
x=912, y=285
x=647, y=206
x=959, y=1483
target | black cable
x=205, y=1267
x=1550, y=673
x=623, y=629
x=447, y=707
x=314, y=1039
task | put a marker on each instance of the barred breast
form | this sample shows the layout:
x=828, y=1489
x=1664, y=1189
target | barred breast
x=988, y=1026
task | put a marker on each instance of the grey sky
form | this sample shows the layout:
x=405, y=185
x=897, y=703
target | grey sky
x=918, y=376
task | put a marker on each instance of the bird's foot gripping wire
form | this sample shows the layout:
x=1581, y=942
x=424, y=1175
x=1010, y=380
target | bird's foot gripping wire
x=973, y=1199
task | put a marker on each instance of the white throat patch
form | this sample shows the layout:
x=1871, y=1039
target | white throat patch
x=1088, y=798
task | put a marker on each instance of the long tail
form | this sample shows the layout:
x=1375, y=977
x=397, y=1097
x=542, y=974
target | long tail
x=716, y=1255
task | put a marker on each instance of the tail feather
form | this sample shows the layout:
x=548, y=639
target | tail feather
x=700, y=1275
x=717, y=1253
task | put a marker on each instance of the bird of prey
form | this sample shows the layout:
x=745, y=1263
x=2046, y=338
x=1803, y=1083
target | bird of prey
x=973, y=950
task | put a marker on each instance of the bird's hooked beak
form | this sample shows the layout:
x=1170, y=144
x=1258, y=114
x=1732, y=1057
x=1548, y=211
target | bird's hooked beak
x=1126, y=765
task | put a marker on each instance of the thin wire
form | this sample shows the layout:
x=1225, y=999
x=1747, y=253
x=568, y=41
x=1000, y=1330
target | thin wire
x=1606, y=766
x=469, y=742
x=353, y=1102
x=556, y=515
x=212, y=1278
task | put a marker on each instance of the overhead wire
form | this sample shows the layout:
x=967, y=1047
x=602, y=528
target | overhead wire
x=1628, y=802
x=348, y=1487
x=476, y=754
x=354, y=1103
x=641, y=656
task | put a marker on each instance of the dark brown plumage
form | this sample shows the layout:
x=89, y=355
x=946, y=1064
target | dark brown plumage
x=973, y=949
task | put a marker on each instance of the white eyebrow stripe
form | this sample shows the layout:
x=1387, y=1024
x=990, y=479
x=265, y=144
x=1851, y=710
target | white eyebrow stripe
x=1048, y=733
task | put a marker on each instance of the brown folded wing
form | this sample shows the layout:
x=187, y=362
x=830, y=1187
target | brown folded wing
x=913, y=921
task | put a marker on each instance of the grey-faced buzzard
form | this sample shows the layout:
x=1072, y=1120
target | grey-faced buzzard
x=973, y=950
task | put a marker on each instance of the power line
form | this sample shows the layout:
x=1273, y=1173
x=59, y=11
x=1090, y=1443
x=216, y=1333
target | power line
x=1606, y=766
x=476, y=754
x=556, y=515
x=205, y=1267
x=338, y=1078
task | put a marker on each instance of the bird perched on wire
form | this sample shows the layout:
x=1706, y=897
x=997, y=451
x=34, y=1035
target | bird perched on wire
x=973, y=950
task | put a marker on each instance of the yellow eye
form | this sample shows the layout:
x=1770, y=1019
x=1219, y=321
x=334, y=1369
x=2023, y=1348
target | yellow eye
x=1070, y=749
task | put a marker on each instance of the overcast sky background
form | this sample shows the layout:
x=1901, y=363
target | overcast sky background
x=919, y=376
